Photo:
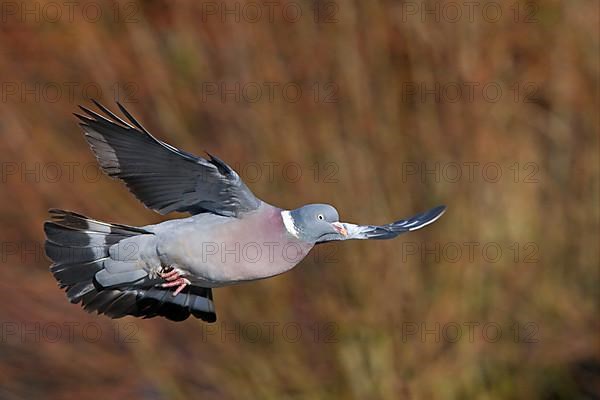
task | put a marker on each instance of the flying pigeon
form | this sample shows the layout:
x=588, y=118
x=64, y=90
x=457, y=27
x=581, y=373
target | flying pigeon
x=169, y=269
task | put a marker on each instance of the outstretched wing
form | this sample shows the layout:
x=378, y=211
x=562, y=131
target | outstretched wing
x=161, y=176
x=388, y=231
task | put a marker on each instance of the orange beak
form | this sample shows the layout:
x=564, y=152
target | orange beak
x=340, y=228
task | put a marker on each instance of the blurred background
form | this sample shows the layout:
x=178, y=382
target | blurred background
x=382, y=108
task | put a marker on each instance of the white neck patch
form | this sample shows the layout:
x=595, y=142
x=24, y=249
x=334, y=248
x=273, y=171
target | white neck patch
x=288, y=221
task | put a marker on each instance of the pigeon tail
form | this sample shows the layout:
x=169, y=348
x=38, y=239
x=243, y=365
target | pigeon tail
x=79, y=246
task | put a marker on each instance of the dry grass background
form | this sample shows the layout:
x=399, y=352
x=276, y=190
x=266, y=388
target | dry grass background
x=370, y=131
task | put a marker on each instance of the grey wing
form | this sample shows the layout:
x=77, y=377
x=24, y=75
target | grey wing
x=161, y=176
x=389, y=231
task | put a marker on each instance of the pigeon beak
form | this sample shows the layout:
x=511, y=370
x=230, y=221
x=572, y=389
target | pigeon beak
x=339, y=227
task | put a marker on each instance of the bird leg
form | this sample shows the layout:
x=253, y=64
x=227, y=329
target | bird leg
x=174, y=278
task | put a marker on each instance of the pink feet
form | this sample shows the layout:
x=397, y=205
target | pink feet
x=174, y=278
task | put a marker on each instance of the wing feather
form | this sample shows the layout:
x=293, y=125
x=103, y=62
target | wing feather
x=388, y=231
x=161, y=176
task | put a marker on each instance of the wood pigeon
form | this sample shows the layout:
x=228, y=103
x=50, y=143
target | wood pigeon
x=169, y=269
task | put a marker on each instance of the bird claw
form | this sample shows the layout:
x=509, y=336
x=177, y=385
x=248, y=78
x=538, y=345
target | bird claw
x=174, y=278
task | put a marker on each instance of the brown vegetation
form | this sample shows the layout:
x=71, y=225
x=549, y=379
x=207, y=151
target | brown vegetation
x=362, y=121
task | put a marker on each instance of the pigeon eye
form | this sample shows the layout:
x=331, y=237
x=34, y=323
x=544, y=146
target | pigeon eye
x=320, y=216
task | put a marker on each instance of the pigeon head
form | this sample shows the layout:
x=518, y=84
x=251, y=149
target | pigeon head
x=313, y=222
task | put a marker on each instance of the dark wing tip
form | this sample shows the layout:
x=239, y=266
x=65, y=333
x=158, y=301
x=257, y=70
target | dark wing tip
x=438, y=211
x=220, y=164
x=132, y=119
x=428, y=217
x=84, y=120
x=86, y=110
x=97, y=104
